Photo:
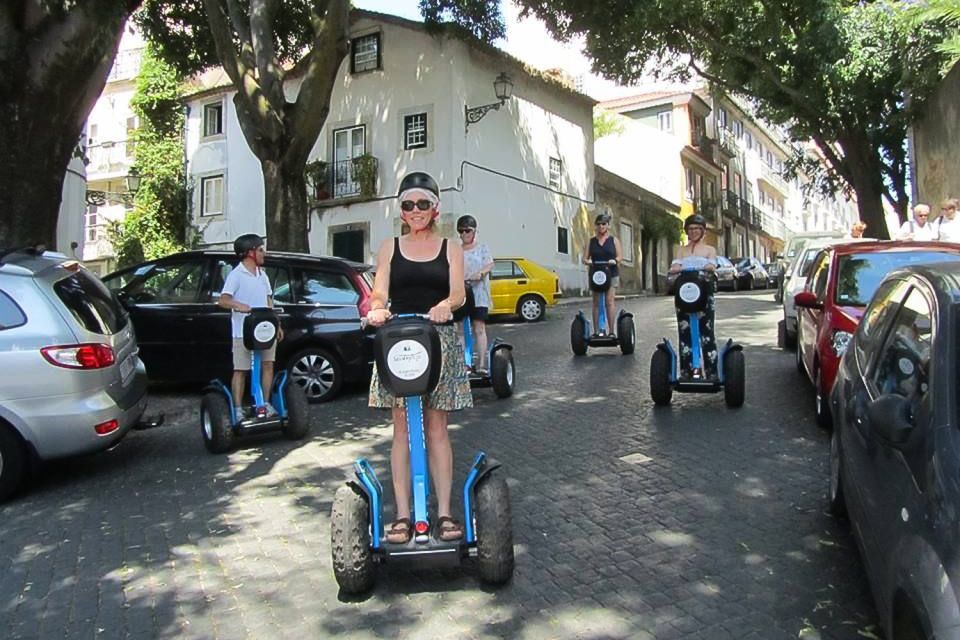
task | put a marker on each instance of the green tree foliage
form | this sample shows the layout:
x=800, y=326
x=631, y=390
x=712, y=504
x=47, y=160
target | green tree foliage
x=945, y=15
x=54, y=60
x=848, y=75
x=606, y=123
x=260, y=44
x=159, y=222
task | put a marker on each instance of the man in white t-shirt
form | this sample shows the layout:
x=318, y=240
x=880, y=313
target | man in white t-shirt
x=919, y=227
x=247, y=287
x=948, y=224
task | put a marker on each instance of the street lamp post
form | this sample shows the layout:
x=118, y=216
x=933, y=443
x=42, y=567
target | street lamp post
x=99, y=198
x=503, y=88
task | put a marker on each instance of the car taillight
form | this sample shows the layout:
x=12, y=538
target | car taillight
x=80, y=356
x=106, y=427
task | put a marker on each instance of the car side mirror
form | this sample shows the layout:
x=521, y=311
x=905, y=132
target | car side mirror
x=889, y=416
x=807, y=300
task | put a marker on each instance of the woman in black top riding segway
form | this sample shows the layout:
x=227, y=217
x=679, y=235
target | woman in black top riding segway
x=422, y=273
x=695, y=227
x=603, y=247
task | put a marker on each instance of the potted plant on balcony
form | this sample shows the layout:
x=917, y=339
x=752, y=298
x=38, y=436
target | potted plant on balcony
x=317, y=178
x=365, y=174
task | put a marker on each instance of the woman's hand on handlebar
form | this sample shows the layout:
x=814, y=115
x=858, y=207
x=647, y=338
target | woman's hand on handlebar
x=378, y=317
x=441, y=313
x=710, y=267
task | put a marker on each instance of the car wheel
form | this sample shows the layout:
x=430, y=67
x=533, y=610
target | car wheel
x=824, y=419
x=531, y=309
x=838, y=505
x=494, y=529
x=217, y=429
x=317, y=372
x=660, y=388
x=736, y=285
x=297, y=424
x=350, y=540
x=502, y=372
x=12, y=462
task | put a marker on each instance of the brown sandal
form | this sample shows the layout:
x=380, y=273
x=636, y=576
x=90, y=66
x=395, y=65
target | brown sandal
x=449, y=529
x=400, y=531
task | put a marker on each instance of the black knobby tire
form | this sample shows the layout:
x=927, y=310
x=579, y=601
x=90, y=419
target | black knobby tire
x=838, y=504
x=578, y=341
x=734, y=378
x=350, y=540
x=502, y=372
x=297, y=424
x=13, y=458
x=626, y=334
x=821, y=402
x=531, y=309
x=215, y=423
x=494, y=529
x=317, y=372
x=660, y=388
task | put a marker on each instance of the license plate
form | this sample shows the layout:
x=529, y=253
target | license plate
x=126, y=367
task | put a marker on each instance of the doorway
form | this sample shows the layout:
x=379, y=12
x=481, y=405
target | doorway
x=349, y=245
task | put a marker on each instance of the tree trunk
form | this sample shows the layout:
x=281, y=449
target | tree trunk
x=865, y=177
x=285, y=198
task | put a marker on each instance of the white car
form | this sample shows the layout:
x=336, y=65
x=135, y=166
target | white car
x=794, y=281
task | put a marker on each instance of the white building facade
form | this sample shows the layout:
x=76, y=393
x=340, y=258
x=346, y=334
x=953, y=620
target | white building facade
x=525, y=170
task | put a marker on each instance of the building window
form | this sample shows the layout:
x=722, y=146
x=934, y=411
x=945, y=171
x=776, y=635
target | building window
x=212, y=119
x=563, y=241
x=738, y=129
x=415, y=131
x=665, y=121
x=749, y=139
x=92, y=224
x=769, y=159
x=556, y=171
x=365, y=53
x=722, y=117
x=626, y=241
x=211, y=196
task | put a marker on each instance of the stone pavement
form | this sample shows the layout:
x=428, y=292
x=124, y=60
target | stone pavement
x=693, y=521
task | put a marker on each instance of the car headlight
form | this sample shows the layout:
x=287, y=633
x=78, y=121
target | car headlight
x=840, y=341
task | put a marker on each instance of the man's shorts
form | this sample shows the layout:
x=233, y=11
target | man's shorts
x=242, y=355
x=479, y=313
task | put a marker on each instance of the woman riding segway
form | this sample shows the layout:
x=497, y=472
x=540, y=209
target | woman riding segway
x=603, y=247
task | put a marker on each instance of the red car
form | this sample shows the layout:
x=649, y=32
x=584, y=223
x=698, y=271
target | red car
x=842, y=281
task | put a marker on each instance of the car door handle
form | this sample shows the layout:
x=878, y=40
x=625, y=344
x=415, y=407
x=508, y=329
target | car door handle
x=521, y=282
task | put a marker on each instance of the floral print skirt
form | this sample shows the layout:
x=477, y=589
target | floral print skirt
x=453, y=390
x=708, y=342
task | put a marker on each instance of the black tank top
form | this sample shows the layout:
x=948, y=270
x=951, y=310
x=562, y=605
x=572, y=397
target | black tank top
x=606, y=251
x=416, y=287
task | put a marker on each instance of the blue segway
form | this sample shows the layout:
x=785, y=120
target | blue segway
x=221, y=424
x=691, y=295
x=502, y=374
x=408, y=357
x=581, y=338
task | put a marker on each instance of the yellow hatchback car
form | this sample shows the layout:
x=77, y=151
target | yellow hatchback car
x=519, y=286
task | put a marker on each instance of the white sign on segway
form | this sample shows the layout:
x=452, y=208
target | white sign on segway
x=599, y=278
x=408, y=360
x=264, y=331
x=689, y=292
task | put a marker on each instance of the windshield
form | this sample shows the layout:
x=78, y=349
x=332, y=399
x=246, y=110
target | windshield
x=91, y=303
x=743, y=263
x=723, y=262
x=860, y=274
x=806, y=262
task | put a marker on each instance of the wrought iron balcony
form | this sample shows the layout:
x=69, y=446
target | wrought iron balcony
x=354, y=178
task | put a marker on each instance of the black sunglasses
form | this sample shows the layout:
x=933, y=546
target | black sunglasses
x=467, y=230
x=423, y=205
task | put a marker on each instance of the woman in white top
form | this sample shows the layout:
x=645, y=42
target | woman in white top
x=948, y=224
x=919, y=227
x=477, y=265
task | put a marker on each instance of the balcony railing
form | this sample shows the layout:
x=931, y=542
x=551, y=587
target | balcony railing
x=737, y=207
x=727, y=143
x=110, y=157
x=353, y=178
x=126, y=65
x=768, y=174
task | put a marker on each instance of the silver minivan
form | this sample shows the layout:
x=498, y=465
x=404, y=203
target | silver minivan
x=71, y=381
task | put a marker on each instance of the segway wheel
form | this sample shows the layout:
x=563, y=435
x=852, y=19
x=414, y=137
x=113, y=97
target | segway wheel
x=626, y=334
x=215, y=420
x=734, y=378
x=502, y=373
x=494, y=530
x=297, y=424
x=578, y=342
x=350, y=540
x=660, y=388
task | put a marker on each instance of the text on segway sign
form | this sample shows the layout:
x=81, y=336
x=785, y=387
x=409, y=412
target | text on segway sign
x=264, y=331
x=689, y=292
x=408, y=360
x=599, y=278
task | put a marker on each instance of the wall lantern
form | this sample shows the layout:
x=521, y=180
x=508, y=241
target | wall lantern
x=503, y=89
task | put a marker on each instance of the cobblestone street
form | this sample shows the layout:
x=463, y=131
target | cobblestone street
x=694, y=521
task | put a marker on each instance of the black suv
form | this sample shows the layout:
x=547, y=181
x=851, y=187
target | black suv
x=185, y=336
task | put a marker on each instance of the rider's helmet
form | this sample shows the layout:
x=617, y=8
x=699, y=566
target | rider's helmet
x=419, y=180
x=466, y=222
x=695, y=219
x=602, y=218
x=246, y=242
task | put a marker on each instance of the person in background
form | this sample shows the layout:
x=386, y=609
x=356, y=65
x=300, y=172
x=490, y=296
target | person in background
x=603, y=247
x=918, y=227
x=856, y=231
x=477, y=265
x=948, y=224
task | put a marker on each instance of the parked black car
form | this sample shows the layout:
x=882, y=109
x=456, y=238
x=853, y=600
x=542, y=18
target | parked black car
x=750, y=273
x=185, y=336
x=774, y=271
x=895, y=449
